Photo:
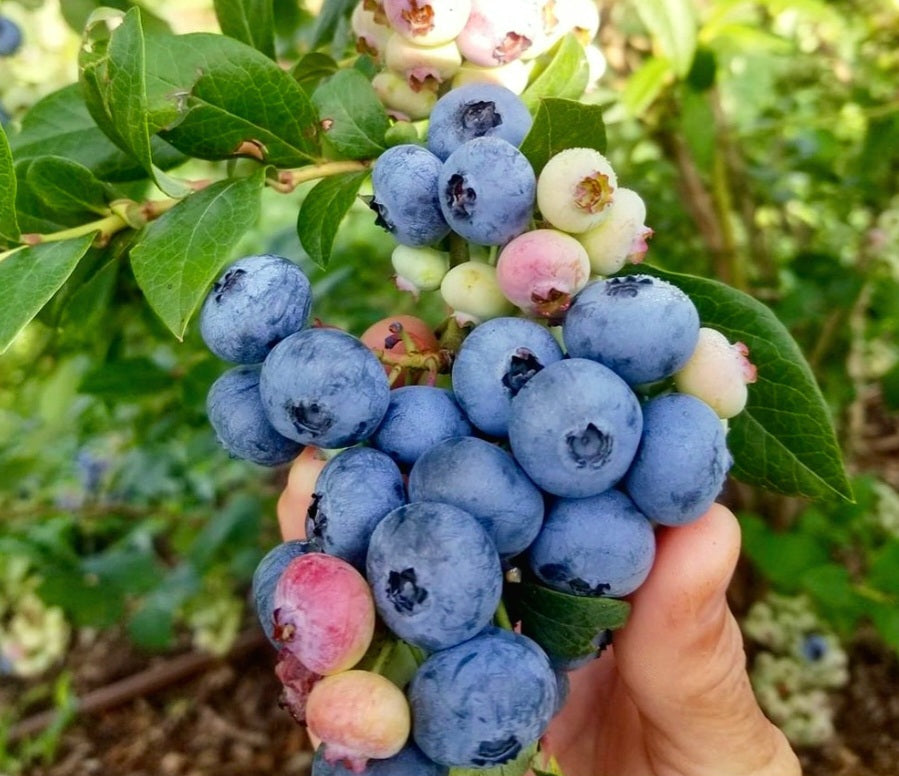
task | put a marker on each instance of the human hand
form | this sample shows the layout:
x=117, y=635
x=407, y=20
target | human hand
x=672, y=696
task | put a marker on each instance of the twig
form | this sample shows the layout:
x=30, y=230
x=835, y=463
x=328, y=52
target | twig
x=144, y=683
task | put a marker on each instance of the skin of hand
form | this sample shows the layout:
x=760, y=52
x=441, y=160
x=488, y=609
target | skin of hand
x=672, y=696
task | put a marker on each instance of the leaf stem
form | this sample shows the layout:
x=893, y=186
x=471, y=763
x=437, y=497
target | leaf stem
x=383, y=656
x=288, y=180
x=502, y=616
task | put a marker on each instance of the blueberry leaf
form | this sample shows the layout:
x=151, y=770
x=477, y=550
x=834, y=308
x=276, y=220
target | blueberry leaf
x=9, y=226
x=328, y=19
x=127, y=378
x=784, y=440
x=565, y=75
x=565, y=625
x=64, y=185
x=178, y=256
x=561, y=124
x=29, y=277
x=249, y=21
x=312, y=68
x=114, y=81
x=518, y=767
x=645, y=85
x=351, y=116
x=322, y=211
x=60, y=125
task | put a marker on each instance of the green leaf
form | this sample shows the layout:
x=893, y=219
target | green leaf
x=561, y=124
x=832, y=589
x=645, y=85
x=882, y=571
x=781, y=556
x=322, y=211
x=566, y=75
x=126, y=379
x=672, y=24
x=784, y=440
x=328, y=18
x=312, y=68
x=88, y=303
x=566, y=626
x=113, y=73
x=518, y=767
x=29, y=278
x=886, y=619
x=179, y=255
x=351, y=115
x=9, y=225
x=77, y=12
x=62, y=184
x=249, y=21
x=153, y=624
x=60, y=125
x=231, y=101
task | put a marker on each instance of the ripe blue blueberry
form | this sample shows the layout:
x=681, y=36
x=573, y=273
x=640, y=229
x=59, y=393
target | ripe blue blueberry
x=235, y=411
x=410, y=761
x=485, y=481
x=434, y=573
x=323, y=387
x=256, y=303
x=419, y=416
x=814, y=647
x=601, y=545
x=682, y=462
x=353, y=492
x=10, y=37
x=265, y=579
x=476, y=110
x=480, y=703
x=487, y=189
x=574, y=428
x=643, y=328
x=494, y=363
x=404, y=181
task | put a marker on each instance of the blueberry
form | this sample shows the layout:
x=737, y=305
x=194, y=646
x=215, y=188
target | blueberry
x=485, y=481
x=487, y=189
x=601, y=545
x=574, y=428
x=435, y=574
x=419, y=416
x=234, y=407
x=480, y=703
x=265, y=579
x=410, y=761
x=643, y=328
x=476, y=110
x=354, y=491
x=814, y=647
x=682, y=462
x=256, y=303
x=404, y=180
x=10, y=37
x=323, y=387
x=494, y=363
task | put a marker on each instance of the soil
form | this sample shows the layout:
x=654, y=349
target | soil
x=225, y=719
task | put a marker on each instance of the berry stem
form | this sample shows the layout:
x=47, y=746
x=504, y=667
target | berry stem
x=383, y=656
x=458, y=249
x=288, y=180
x=501, y=617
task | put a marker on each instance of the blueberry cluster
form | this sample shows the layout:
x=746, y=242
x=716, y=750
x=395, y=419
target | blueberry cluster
x=428, y=46
x=543, y=456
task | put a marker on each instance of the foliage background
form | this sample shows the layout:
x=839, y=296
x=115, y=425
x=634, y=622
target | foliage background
x=764, y=137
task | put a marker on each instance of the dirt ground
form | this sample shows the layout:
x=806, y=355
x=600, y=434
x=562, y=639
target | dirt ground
x=224, y=720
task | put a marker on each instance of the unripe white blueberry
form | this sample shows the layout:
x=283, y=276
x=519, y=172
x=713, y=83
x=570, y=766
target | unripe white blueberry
x=576, y=189
x=401, y=100
x=596, y=64
x=370, y=29
x=540, y=271
x=471, y=290
x=581, y=17
x=550, y=29
x=717, y=373
x=620, y=237
x=420, y=63
x=428, y=22
x=514, y=76
x=497, y=33
x=419, y=269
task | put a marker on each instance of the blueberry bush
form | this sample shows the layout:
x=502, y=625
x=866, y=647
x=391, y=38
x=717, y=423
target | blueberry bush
x=168, y=140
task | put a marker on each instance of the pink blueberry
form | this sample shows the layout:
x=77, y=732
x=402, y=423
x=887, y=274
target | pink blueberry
x=324, y=613
x=540, y=271
x=498, y=32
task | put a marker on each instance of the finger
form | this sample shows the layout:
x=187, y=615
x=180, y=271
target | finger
x=681, y=657
x=292, y=515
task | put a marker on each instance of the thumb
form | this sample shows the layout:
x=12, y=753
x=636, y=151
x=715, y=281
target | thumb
x=681, y=657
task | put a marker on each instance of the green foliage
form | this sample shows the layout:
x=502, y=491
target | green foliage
x=564, y=75
x=561, y=124
x=322, y=212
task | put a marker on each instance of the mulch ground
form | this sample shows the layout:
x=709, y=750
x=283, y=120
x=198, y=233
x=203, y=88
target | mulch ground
x=225, y=720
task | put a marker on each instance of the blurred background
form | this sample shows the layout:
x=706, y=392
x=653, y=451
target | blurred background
x=763, y=136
